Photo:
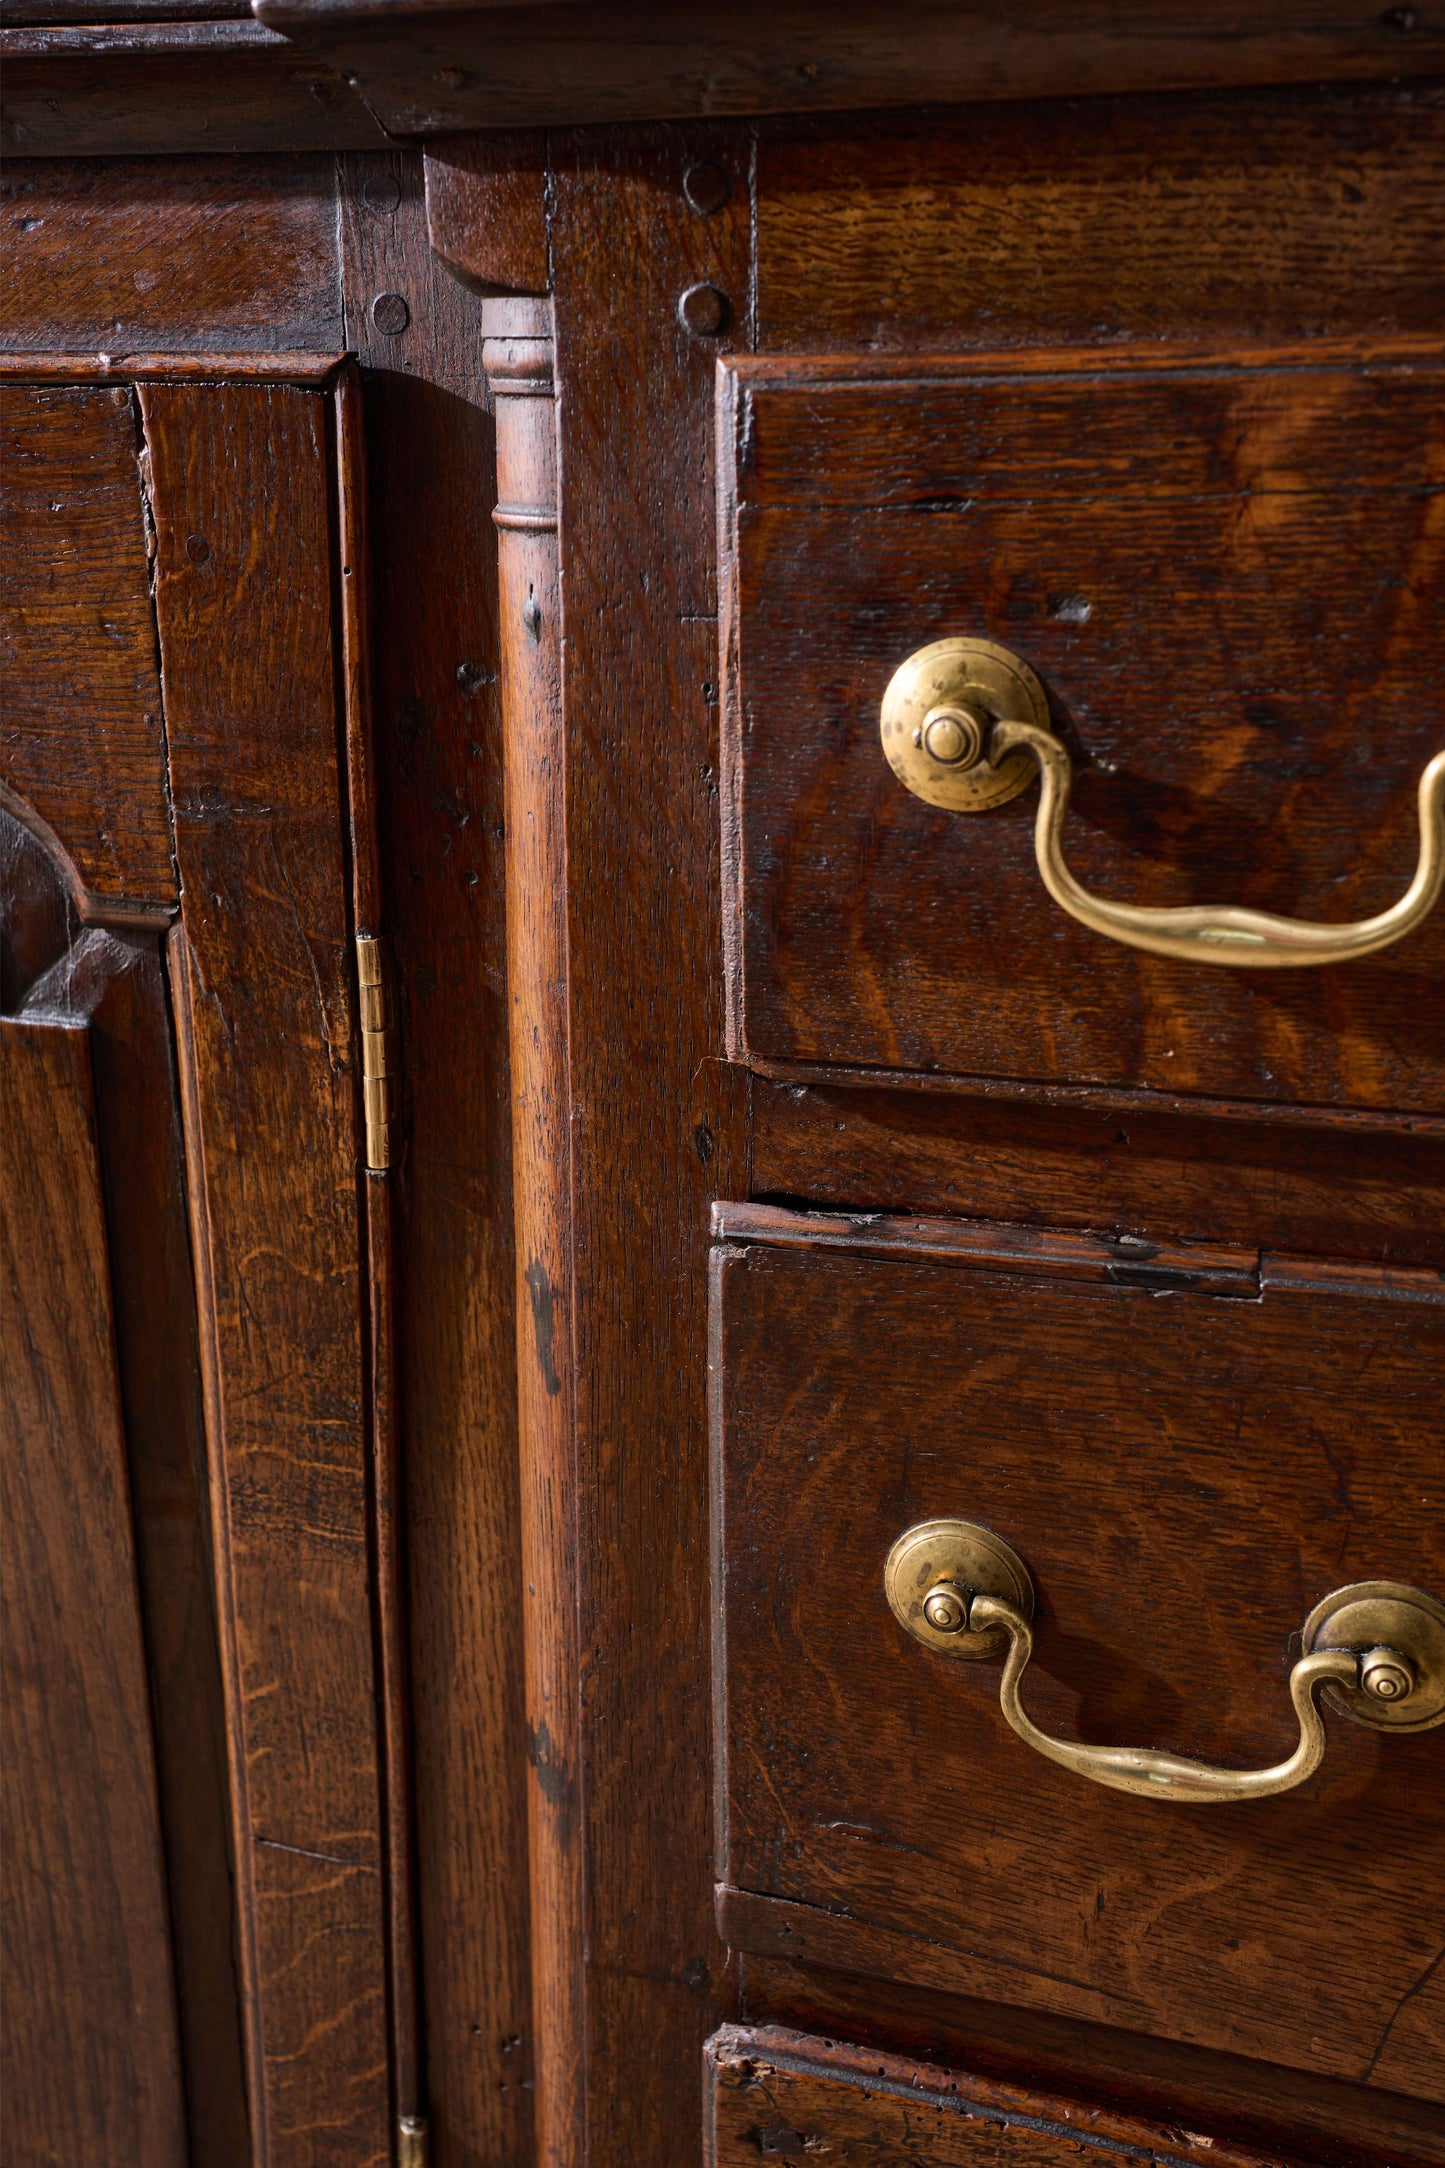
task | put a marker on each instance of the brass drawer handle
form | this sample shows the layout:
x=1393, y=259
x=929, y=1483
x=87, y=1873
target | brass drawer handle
x=1376, y=1649
x=965, y=722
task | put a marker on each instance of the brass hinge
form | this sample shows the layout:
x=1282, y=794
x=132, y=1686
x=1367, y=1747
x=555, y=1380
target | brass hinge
x=413, y=2142
x=378, y=1051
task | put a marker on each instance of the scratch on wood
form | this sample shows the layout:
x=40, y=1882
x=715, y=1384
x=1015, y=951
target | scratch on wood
x=301, y=1851
x=1416, y=1987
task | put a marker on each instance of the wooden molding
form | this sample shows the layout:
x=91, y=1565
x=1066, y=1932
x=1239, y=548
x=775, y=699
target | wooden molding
x=866, y=2096
x=173, y=368
x=517, y=354
x=179, y=75
x=1119, y=1261
x=96, y=88
x=426, y=69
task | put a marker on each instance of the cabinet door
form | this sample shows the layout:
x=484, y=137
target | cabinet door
x=192, y=1606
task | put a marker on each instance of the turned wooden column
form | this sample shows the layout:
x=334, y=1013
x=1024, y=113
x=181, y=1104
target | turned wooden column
x=517, y=353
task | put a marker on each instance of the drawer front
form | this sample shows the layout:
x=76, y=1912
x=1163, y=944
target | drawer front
x=1187, y=1462
x=771, y=2090
x=1227, y=576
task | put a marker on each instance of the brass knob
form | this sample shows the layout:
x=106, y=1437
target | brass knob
x=954, y=736
x=938, y=713
x=945, y=1609
x=1387, y=1675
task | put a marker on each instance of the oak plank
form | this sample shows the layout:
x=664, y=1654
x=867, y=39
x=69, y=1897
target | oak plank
x=158, y=87
x=177, y=254
x=1342, y=1191
x=1285, y=2114
x=1252, y=216
x=82, y=741
x=468, y=66
x=91, y=2054
x=657, y=1122
x=270, y=1095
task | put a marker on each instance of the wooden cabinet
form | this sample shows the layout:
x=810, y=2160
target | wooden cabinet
x=471, y=498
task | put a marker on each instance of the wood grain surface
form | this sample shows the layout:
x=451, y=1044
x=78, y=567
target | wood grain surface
x=152, y=87
x=1160, y=1268
x=431, y=477
x=1233, y=220
x=657, y=1124
x=1329, y=1190
x=1287, y=2115
x=54, y=968
x=428, y=68
x=142, y=1161
x=295, y=367
x=244, y=599
x=486, y=202
x=1185, y=1475
x=80, y=667
x=776, y=2091
x=1245, y=217
x=388, y=1515
x=92, y=2064
x=178, y=254
x=1178, y=554
x=518, y=354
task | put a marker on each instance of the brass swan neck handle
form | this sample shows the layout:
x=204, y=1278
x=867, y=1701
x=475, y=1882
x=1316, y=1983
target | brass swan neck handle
x=964, y=724
x=1167, y=1776
x=1374, y=1650
x=1219, y=933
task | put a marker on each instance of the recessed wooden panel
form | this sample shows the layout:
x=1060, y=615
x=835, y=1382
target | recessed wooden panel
x=176, y=255
x=1185, y=1474
x=1226, y=577
x=142, y=1162
x=52, y=971
x=1247, y=216
x=83, y=740
x=92, y=2070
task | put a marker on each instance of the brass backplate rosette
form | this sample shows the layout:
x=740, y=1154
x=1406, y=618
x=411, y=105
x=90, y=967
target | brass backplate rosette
x=1390, y=1615
x=964, y=1556
x=976, y=676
